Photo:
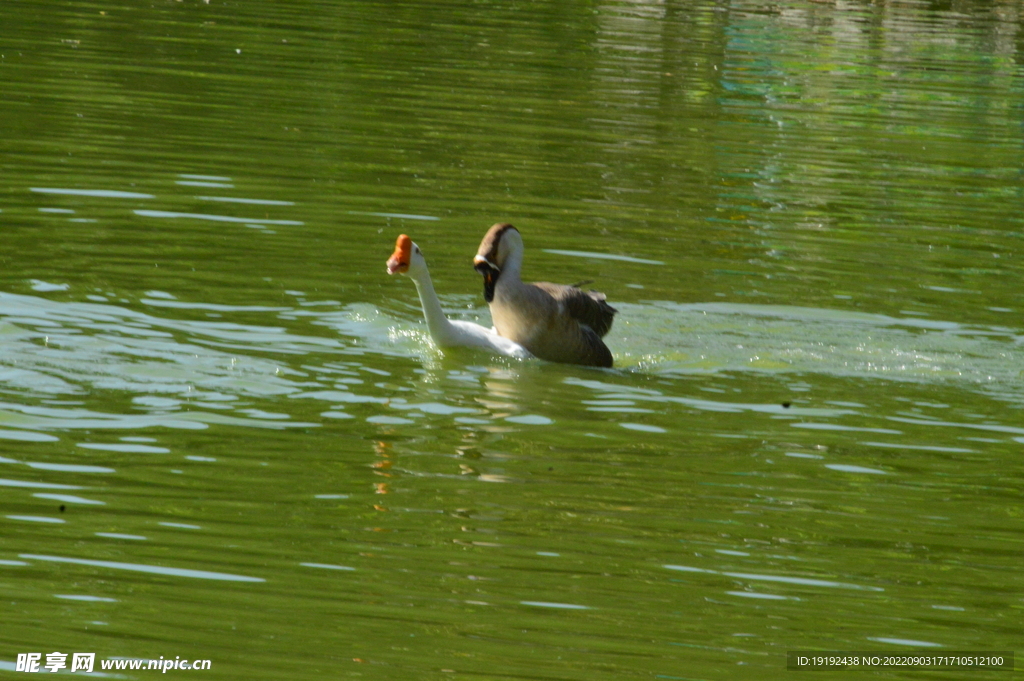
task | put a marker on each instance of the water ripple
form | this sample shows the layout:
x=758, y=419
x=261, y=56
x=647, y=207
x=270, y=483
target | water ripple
x=169, y=214
x=783, y=579
x=151, y=569
x=101, y=193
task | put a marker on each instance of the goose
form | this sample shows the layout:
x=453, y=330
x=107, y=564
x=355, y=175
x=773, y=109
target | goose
x=554, y=322
x=408, y=260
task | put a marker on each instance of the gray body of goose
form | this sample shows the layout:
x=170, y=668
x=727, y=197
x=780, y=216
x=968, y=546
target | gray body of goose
x=408, y=260
x=554, y=322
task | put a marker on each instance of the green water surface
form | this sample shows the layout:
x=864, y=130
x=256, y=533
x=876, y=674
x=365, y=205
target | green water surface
x=226, y=435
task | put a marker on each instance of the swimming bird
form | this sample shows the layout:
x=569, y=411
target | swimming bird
x=554, y=322
x=408, y=260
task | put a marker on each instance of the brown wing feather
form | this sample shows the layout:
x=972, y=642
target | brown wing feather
x=598, y=353
x=586, y=307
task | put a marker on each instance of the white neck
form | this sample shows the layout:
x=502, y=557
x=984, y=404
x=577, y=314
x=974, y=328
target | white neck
x=441, y=330
x=513, y=264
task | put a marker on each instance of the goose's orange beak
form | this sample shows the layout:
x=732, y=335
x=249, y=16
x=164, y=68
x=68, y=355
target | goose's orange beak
x=399, y=260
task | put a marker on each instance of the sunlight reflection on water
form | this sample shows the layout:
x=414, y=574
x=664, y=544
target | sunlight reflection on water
x=65, y=348
x=706, y=338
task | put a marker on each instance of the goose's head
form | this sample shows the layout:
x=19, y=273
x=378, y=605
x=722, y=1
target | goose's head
x=499, y=244
x=407, y=258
